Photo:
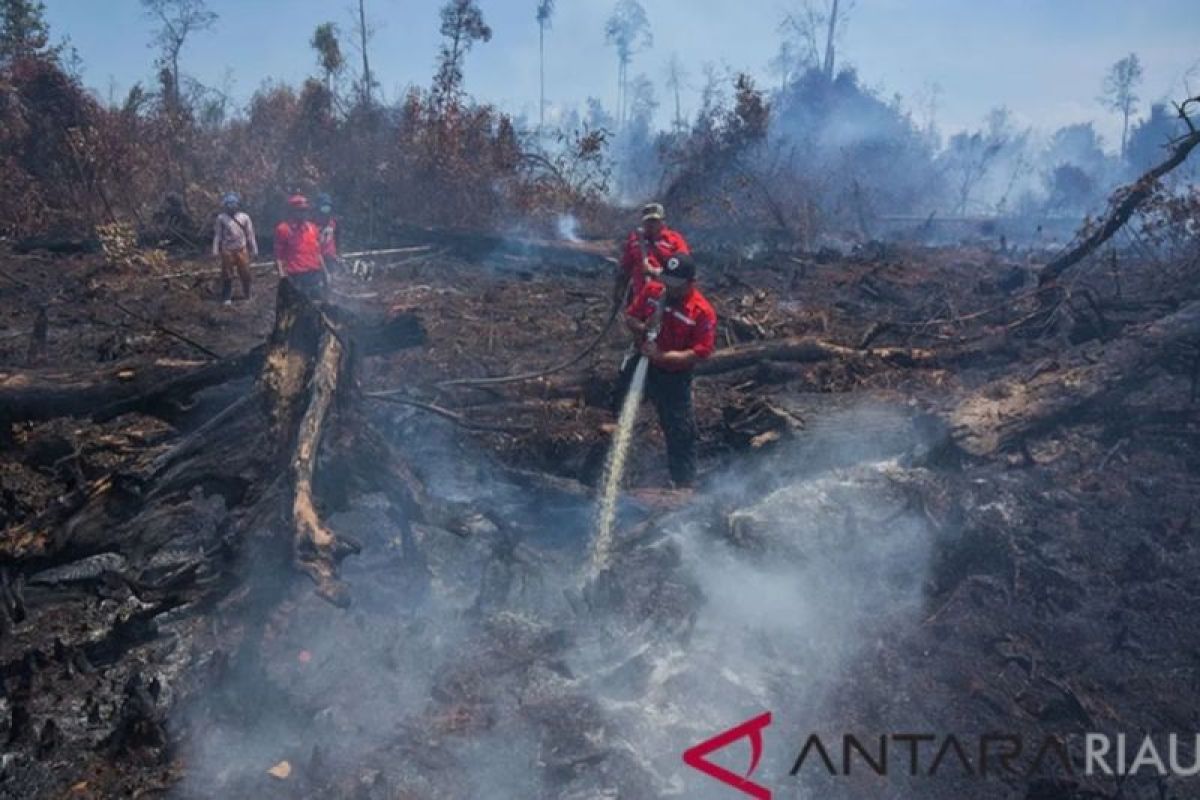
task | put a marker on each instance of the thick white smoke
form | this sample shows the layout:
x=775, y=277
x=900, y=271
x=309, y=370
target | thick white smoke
x=474, y=666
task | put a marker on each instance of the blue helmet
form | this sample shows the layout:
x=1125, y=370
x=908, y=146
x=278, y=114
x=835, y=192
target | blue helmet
x=324, y=201
x=231, y=199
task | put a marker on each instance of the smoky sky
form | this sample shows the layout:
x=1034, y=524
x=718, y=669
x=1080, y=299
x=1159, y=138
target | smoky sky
x=1044, y=59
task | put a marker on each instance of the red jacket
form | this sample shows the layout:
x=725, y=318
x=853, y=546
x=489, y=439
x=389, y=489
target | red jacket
x=669, y=243
x=689, y=325
x=298, y=246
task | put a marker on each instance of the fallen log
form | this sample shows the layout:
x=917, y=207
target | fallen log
x=804, y=349
x=32, y=395
x=138, y=385
x=594, y=387
x=315, y=548
x=1003, y=413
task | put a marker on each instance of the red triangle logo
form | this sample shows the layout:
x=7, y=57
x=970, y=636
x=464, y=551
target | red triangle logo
x=697, y=757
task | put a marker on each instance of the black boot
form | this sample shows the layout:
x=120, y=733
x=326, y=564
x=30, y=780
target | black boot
x=226, y=291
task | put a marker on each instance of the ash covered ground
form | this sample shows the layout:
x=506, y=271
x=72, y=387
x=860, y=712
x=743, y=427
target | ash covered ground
x=865, y=551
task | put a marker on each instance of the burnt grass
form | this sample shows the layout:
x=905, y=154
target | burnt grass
x=1061, y=593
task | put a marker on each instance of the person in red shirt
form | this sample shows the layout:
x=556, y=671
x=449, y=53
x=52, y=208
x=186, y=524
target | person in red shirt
x=646, y=252
x=675, y=328
x=298, y=257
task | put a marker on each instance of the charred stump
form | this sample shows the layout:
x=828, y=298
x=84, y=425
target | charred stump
x=274, y=456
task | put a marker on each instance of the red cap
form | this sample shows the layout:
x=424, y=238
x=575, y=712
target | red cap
x=298, y=201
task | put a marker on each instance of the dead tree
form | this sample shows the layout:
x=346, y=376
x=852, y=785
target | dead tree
x=1125, y=201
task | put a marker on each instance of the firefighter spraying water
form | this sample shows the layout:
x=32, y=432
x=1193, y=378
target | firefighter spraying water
x=675, y=327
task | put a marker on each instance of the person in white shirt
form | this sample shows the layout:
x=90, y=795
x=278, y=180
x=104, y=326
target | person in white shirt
x=234, y=243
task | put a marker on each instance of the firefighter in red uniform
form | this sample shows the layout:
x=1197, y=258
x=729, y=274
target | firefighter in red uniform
x=675, y=327
x=298, y=257
x=646, y=252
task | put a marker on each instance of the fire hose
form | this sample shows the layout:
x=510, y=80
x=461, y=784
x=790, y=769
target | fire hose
x=582, y=354
x=529, y=376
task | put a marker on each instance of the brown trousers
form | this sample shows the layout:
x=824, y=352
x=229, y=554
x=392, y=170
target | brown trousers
x=235, y=261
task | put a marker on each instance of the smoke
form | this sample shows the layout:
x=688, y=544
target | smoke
x=568, y=227
x=799, y=583
x=483, y=666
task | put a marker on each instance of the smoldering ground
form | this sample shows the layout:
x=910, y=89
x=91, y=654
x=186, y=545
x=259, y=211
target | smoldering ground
x=479, y=665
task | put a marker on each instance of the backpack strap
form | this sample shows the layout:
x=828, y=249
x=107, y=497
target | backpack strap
x=245, y=230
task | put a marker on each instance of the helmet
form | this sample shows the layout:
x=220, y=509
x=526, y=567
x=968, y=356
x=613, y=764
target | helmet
x=680, y=265
x=298, y=201
x=324, y=200
x=231, y=199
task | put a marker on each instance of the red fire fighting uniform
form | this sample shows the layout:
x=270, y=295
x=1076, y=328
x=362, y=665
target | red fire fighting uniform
x=298, y=248
x=690, y=324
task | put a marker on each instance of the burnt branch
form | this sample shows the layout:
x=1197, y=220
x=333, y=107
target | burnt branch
x=1124, y=202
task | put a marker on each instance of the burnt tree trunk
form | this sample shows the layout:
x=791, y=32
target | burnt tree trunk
x=1124, y=202
x=108, y=392
x=32, y=395
x=264, y=456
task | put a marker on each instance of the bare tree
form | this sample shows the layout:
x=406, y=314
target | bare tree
x=177, y=20
x=832, y=29
x=676, y=79
x=927, y=100
x=1187, y=76
x=638, y=172
x=969, y=157
x=545, y=14
x=783, y=63
x=329, y=52
x=712, y=98
x=799, y=29
x=364, y=31
x=462, y=26
x=803, y=29
x=1120, y=92
x=642, y=100
x=628, y=30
